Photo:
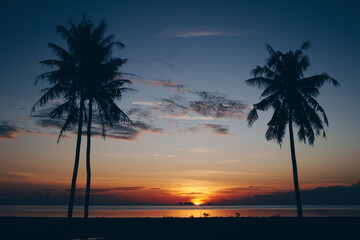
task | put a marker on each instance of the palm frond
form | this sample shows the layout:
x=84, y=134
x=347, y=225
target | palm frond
x=306, y=45
x=303, y=64
x=70, y=120
x=52, y=93
x=53, y=63
x=252, y=117
x=63, y=31
x=318, y=81
x=309, y=91
x=259, y=82
x=109, y=39
x=98, y=32
x=266, y=103
x=301, y=119
x=60, y=52
x=317, y=107
x=68, y=107
x=281, y=124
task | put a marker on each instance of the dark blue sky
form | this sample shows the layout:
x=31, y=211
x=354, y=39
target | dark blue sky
x=148, y=29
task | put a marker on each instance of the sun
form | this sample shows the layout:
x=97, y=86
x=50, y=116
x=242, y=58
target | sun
x=197, y=204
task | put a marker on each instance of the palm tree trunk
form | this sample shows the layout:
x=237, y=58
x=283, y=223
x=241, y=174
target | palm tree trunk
x=88, y=169
x=295, y=174
x=77, y=158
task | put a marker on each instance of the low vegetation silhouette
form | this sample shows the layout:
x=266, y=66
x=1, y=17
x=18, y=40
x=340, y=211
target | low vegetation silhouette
x=292, y=97
x=87, y=79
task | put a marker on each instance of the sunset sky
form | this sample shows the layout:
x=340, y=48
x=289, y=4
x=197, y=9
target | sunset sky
x=186, y=55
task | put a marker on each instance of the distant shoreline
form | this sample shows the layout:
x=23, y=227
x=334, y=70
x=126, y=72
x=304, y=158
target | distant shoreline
x=185, y=205
x=182, y=211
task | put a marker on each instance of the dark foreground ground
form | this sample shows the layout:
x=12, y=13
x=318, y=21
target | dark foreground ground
x=179, y=228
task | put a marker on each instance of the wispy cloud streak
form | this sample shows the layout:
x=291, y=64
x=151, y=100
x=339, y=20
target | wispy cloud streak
x=176, y=33
x=211, y=105
x=129, y=132
x=216, y=129
x=168, y=85
x=8, y=132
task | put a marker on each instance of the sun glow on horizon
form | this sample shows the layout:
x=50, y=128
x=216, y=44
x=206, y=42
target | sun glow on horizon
x=197, y=204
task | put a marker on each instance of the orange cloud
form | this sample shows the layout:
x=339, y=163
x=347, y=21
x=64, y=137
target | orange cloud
x=11, y=132
x=8, y=132
x=169, y=86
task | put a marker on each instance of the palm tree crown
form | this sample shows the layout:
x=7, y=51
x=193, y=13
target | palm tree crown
x=287, y=91
x=86, y=69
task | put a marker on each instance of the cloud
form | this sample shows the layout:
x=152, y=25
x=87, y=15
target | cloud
x=119, y=131
x=140, y=112
x=321, y=195
x=217, y=105
x=192, y=34
x=168, y=85
x=176, y=33
x=260, y=154
x=186, y=117
x=22, y=174
x=212, y=105
x=112, y=189
x=29, y=132
x=235, y=190
x=216, y=129
x=191, y=193
x=146, y=103
x=24, y=193
x=259, y=129
x=202, y=150
x=231, y=161
x=28, y=177
x=8, y=132
x=208, y=106
x=130, y=132
x=165, y=61
x=159, y=156
x=173, y=105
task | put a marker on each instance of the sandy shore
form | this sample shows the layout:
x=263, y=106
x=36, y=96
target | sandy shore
x=179, y=228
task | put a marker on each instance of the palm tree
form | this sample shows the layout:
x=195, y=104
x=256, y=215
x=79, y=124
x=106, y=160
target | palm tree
x=65, y=83
x=103, y=87
x=84, y=73
x=292, y=96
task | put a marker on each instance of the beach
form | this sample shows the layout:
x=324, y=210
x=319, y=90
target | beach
x=179, y=228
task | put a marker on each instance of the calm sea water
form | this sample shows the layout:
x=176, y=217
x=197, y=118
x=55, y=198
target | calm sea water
x=157, y=211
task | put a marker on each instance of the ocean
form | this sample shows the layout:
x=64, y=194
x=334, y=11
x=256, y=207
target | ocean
x=160, y=211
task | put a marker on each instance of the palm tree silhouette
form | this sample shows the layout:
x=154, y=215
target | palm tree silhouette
x=292, y=96
x=85, y=73
x=66, y=82
x=103, y=87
